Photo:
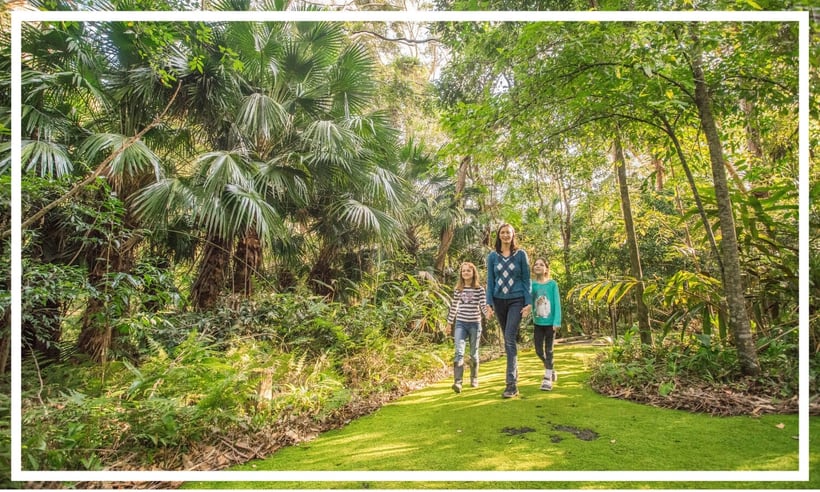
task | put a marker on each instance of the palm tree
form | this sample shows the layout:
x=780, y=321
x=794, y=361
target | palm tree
x=292, y=151
x=91, y=109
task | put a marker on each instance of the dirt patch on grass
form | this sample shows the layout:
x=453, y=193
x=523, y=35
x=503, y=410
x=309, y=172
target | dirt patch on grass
x=582, y=434
x=516, y=431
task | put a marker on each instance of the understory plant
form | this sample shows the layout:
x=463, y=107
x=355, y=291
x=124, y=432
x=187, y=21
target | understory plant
x=277, y=359
x=695, y=359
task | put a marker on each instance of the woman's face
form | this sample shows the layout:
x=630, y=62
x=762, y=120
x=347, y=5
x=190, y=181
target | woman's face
x=467, y=273
x=505, y=234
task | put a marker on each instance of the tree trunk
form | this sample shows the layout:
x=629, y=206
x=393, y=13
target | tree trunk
x=739, y=323
x=96, y=333
x=43, y=339
x=566, y=229
x=710, y=235
x=321, y=275
x=657, y=165
x=5, y=342
x=632, y=243
x=753, y=141
x=247, y=260
x=212, y=275
x=448, y=231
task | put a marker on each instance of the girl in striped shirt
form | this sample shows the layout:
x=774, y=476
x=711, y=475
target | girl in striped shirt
x=469, y=301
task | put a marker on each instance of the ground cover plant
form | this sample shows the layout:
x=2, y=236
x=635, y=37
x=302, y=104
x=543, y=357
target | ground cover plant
x=570, y=428
x=242, y=377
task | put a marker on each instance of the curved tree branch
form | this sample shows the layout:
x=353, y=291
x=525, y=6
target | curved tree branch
x=98, y=171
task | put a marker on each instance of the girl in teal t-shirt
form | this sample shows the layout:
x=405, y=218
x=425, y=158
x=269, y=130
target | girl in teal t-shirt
x=546, y=316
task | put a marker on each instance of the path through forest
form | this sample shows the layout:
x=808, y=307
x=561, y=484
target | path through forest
x=569, y=428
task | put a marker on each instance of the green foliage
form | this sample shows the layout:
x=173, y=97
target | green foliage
x=284, y=356
x=5, y=435
x=694, y=359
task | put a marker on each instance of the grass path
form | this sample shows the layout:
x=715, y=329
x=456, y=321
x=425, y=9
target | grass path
x=569, y=428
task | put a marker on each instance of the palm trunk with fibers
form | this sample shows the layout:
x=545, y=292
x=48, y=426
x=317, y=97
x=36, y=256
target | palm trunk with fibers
x=321, y=275
x=247, y=260
x=739, y=322
x=212, y=275
x=448, y=231
x=632, y=242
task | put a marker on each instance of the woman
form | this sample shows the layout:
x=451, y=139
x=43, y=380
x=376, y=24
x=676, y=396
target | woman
x=509, y=296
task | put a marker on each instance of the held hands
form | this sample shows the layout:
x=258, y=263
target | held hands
x=449, y=328
x=488, y=312
x=526, y=310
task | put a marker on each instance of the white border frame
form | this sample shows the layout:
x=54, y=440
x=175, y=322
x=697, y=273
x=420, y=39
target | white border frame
x=802, y=474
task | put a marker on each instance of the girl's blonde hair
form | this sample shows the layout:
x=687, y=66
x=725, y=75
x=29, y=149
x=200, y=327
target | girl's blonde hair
x=460, y=284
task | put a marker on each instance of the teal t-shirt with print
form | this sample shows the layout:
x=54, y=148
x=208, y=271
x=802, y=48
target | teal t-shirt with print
x=546, y=303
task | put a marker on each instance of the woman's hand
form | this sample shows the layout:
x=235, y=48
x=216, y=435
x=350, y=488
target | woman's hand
x=489, y=312
x=526, y=310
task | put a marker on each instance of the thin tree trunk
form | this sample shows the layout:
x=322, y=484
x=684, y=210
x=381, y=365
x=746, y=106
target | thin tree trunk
x=733, y=281
x=687, y=233
x=448, y=231
x=657, y=164
x=5, y=342
x=566, y=229
x=753, y=141
x=710, y=235
x=632, y=242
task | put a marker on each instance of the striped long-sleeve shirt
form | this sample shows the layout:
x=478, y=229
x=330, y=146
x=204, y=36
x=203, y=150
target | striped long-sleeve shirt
x=468, y=304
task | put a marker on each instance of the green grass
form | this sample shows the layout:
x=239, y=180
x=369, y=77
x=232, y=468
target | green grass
x=436, y=429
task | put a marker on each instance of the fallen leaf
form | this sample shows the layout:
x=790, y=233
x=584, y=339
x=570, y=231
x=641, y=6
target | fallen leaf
x=781, y=426
x=612, y=441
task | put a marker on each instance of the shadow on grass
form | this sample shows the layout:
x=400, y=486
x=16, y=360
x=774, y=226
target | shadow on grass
x=570, y=428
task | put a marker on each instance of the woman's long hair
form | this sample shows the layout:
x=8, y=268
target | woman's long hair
x=460, y=284
x=513, y=246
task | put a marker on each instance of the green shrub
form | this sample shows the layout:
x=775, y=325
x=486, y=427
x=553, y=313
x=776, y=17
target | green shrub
x=205, y=375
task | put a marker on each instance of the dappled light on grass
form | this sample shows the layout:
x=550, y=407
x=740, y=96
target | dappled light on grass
x=568, y=428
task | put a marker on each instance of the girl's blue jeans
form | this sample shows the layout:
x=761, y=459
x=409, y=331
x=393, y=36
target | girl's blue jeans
x=461, y=332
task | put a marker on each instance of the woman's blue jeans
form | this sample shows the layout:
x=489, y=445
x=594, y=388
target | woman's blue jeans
x=462, y=331
x=508, y=312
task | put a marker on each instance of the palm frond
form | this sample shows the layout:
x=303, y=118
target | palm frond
x=281, y=180
x=221, y=168
x=331, y=142
x=134, y=161
x=367, y=219
x=246, y=209
x=262, y=115
x=47, y=159
x=159, y=202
